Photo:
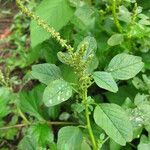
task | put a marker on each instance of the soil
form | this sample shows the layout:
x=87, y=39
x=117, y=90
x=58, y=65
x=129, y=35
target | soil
x=6, y=20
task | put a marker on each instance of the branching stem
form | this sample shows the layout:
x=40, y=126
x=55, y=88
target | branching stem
x=78, y=65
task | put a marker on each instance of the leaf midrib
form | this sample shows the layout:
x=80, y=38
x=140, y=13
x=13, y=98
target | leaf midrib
x=123, y=67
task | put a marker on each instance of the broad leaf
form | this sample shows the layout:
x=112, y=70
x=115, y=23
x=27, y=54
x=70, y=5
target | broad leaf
x=105, y=80
x=69, y=138
x=57, y=92
x=115, y=39
x=30, y=102
x=37, y=136
x=42, y=134
x=114, y=121
x=124, y=66
x=56, y=13
x=46, y=72
x=68, y=74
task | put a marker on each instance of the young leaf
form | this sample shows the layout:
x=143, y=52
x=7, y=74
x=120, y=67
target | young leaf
x=46, y=72
x=56, y=13
x=114, y=121
x=105, y=80
x=57, y=92
x=124, y=66
x=69, y=138
x=115, y=39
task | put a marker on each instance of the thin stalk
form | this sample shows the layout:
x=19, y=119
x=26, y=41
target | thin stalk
x=23, y=116
x=48, y=122
x=84, y=96
x=114, y=6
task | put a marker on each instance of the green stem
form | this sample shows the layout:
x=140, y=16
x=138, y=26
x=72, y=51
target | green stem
x=23, y=116
x=84, y=96
x=114, y=5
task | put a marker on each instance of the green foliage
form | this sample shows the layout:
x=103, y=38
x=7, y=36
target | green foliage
x=4, y=100
x=105, y=81
x=30, y=102
x=144, y=143
x=38, y=136
x=125, y=66
x=83, y=82
x=61, y=13
x=115, y=122
x=46, y=73
x=57, y=92
x=115, y=39
x=69, y=138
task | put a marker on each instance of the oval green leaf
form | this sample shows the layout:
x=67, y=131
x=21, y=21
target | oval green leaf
x=114, y=121
x=105, y=80
x=124, y=66
x=69, y=138
x=57, y=92
x=46, y=72
x=115, y=39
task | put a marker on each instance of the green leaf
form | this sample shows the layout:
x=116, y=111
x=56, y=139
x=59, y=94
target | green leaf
x=69, y=138
x=123, y=92
x=42, y=134
x=105, y=80
x=56, y=13
x=46, y=73
x=124, y=66
x=68, y=74
x=114, y=146
x=115, y=39
x=84, y=17
x=57, y=92
x=114, y=121
x=144, y=143
x=5, y=95
x=30, y=102
x=85, y=146
x=27, y=144
x=37, y=136
x=93, y=64
x=124, y=14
